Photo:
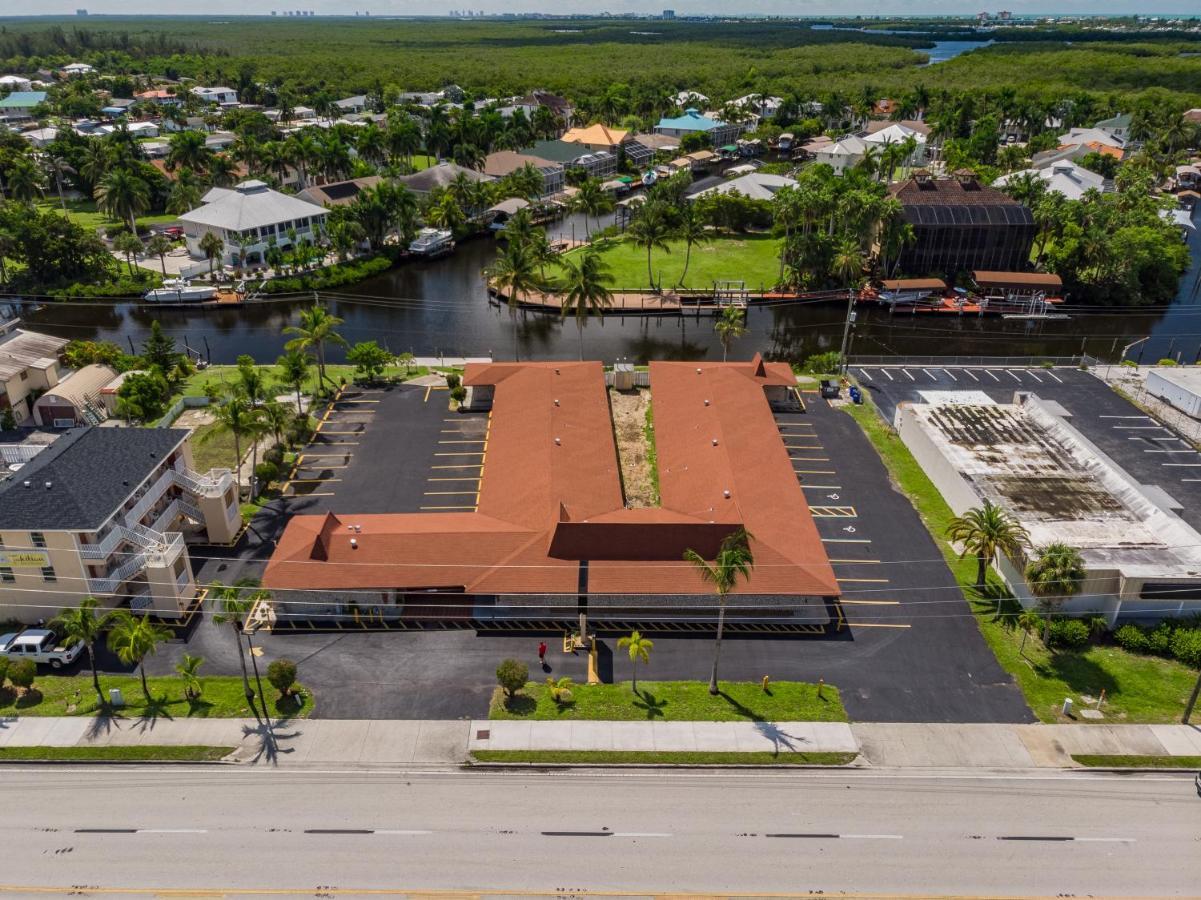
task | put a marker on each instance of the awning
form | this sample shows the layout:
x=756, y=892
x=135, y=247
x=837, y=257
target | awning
x=624, y=179
x=730, y=148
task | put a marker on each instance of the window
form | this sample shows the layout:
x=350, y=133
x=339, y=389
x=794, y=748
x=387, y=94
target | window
x=6, y=575
x=48, y=574
x=37, y=538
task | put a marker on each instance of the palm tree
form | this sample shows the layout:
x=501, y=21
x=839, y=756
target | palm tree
x=188, y=667
x=1055, y=574
x=24, y=179
x=730, y=326
x=592, y=200
x=275, y=418
x=81, y=625
x=58, y=167
x=984, y=532
x=236, y=603
x=585, y=289
x=848, y=261
x=236, y=418
x=650, y=229
x=734, y=560
x=513, y=273
x=189, y=151
x=133, y=638
x=316, y=327
x=212, y=247
x=129, y=245
x=640, y=649
x=1028, y=620
x=123, y=196
x=160, y=245
x=294, y=372
x=691, y=230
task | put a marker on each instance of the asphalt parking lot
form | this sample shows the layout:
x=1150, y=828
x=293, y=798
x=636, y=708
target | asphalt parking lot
x=1148, y=450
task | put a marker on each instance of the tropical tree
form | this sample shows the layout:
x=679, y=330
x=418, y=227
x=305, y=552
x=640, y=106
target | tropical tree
x=1055, y=574
x=639, y=648
x=212, y=247
x=81, y=625
x=58, y=167
x=691, y=230
x=24, y=179
x=133, y=638
x=160, y=245
x=129, y=245
x=650, y=228
x=293, y=369
x=123, y=195
x=1028, y=620
x=585, y=287
x=188, y=669
x=848, y=261
x=513, y=274
x=984, y=532
x=237, y=600
x=316, y=328
x=734, y=560
x=730, y=326
x=237, y=418
x=592, y=200
x=188, y=150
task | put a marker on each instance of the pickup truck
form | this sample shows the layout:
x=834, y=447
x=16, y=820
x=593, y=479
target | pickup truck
x=41, y=645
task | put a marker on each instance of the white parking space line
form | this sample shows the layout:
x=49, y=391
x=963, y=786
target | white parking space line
x=1169, y=451
x=992, y=376
x=971, y=373
x=933, y=377
x=950, y=374
x=1013, y=375
x=908, y=375
x=1191, y=479
x=1035, y=377
x=1123, y=417
x=1056, y=377
x=889, y=374
x=1139, y=428
x=865, y=374
x=1183, y=465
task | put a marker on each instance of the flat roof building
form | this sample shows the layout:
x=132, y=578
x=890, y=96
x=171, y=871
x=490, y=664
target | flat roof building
x=1178, y=386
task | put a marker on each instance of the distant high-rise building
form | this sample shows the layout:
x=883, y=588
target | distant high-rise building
x=669, y=13
x=81, y=12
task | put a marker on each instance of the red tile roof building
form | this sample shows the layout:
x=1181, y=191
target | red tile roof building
x=551, y=521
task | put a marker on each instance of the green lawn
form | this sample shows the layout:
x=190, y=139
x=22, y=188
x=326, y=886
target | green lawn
x=223, y=376
x=666, y=758
x=676, y=701
x=752, y=258
x=1097, y=760
x=73, y=695
x=109, y=754
x=1137, y=688
x=85, y=213
x=212, y=449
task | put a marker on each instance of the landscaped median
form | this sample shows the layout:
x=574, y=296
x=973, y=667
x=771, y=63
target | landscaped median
x=663, y=758
x=1138, y=688
x=1110, y=761
x=114, y=754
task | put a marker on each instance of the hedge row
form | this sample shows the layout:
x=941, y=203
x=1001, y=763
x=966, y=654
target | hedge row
x=1180, y=641
x=333, y=276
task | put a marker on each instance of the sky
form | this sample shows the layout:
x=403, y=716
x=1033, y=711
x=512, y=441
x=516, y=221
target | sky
x=695, y=7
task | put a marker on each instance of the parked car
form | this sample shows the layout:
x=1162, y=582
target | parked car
x=41, y=645
x=175, y=232
x=829, y=389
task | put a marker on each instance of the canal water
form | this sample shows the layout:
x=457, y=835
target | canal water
x=440, y=307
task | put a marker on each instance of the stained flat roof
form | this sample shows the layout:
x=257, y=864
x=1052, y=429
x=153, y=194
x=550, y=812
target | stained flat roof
x=551, y=497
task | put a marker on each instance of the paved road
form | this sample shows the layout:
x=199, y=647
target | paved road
x=210, y=829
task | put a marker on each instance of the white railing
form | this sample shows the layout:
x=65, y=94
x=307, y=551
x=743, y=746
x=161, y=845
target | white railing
x=116, y=577
x=102, y=548
x=213, y=483
x=159, y=550
x=151, y=497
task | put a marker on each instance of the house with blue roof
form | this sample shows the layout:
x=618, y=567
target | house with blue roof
x=20, y=104
x=692, y=121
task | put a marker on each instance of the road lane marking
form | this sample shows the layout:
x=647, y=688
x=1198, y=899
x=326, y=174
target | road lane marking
x=1035, y=377
x=814, y=472
x=809, y=458
x=1170, y=451
x=577, y=834
x=338, y=831
x=933, y=377
x=1183, y=465
x=106, y=831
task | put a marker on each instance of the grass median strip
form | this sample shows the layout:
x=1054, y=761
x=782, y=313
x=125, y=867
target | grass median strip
x=652, y=757
x=140, y=753
x=676, y=701
x=1108, y=761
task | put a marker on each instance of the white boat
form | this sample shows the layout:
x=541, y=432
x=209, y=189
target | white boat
x=432, y=242
x=179, y=290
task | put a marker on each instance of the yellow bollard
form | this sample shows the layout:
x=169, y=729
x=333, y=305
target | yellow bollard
x=820, y=684
x=766, y=681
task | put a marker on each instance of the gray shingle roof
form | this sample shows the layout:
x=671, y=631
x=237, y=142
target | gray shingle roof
x=91, y=472
x=250, y=205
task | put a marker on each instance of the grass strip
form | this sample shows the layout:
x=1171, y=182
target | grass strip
x=1138, y=688
x=1108, y=761
x=675, y=701
x=137, y=753
x=653, y=757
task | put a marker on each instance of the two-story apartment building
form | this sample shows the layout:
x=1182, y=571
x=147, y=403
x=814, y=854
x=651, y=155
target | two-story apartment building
x=222, y=96
x=28, y=367
x=104, y=512
x=692, y=122
x=251, y=212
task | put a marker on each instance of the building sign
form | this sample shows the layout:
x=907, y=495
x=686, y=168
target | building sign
x=26, y=559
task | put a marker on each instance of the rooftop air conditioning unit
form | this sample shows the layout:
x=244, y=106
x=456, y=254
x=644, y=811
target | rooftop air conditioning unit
x=623, y=376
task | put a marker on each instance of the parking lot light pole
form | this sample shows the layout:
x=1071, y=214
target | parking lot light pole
x=846, y=331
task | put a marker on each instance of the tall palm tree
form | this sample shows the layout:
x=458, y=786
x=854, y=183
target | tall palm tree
x=188, y=669
x=24, y=179
x=160, y=245
x=650, y=229
x=639, y=648
x=81, y=625
x=734, y=561
x=1027, y=620
x=585, y=288
x=133, y=638
x=984, y=532
x=189, y=151
x=212, y=247
x=58, y=167
x=730, y=326
x=123, y=195
x=293, y=369
x=592, y=200
x=315, y=329
x=235, y=417
x=236, y=601
x=513, y=273
x=691, y=230
x=848, y=261
x=1056, y=573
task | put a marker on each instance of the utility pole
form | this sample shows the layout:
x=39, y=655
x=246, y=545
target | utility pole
x=1192, y=700
x=846, y=331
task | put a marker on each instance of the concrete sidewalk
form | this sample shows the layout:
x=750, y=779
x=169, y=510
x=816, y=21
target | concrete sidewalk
x=361, y=742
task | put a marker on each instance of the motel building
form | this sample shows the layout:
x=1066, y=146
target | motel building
x=552, y=539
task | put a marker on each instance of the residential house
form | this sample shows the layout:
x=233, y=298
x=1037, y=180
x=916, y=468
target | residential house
x=14, y=83
x=77, y=69
x=188, y=123
x=351, y=105
x=595, y=164
x=898, y=133
x=41, y=137
x=692, y=122
x=119, y=106
x=1117, y=127
x=221, y=96
x=560, y=107
x=339, y=193
x=1188, y=176
x=760, y=105
x=755, y=185
x=505, y=162
x=1193, y=116
x=1064, y=177
x=689, y=98
x=843, y=154
x=424, y=183
x=640, y=149
x=75, y=400
x=158, y=97
x=961, y=225
x=28, y=365
x=220, y=140
x=103, y=512
x=1093, y=137
x=597, y=137
x=20, y=104
x=254, y=214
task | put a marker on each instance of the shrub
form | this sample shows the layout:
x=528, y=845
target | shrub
x=823, y=363
x=458, y=393
x=3, y=669
x=1159, y=639
x=331, y=276
x=453, y=380
x=275, y=455
x=266, y=471
x=301, y=430
x=282, y=675
x=1070, y=633
x=1166, y=362
x=512, y=675
x=1186, y=646
x=22, y=672
x=1132, y=638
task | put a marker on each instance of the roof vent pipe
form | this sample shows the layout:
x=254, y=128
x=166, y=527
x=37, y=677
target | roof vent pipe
x=706, y=403
x=556, y=403
x=698, y=371
x=715, y=442
x=557, y=442
x=354, y=545
x=726, y=494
